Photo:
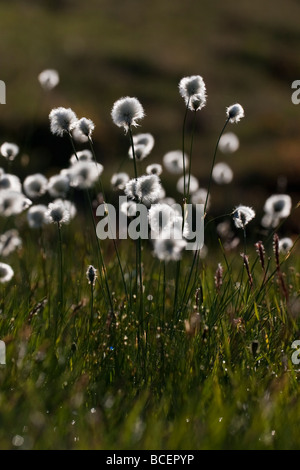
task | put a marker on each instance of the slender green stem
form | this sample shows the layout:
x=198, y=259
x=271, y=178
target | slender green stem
x=213, y=164
x=197, y=251
x=178, y=263
x=114, y=241
x=133, y=153
x=96, y=163
x=43, y=259
x=164, y=293
x=61, y=290
x=73, y=146
x=240, y=291
x=101, y=259
x=194, y=262
x=139, y=273
x=92, y=307
x=59, y=310
x=183, y=152
x=191, y=153
x=245, y=240
x=99, y=251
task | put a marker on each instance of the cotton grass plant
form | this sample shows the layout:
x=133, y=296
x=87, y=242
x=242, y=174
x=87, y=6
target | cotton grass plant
x=125, y=113
x=58, y=214
x=116, y=339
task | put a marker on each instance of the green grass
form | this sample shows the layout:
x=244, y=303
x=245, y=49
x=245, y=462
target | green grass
x=99, y=371
x=98, y=387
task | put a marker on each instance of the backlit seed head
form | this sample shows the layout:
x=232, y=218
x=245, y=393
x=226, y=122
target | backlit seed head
x=48, y=79
x=84, y=126
x=285, y=244
x=242, y=215
x=9, y=150
x=126, y=112
x=192, y=86
x=173, y=161
x=36, y=216
x=62, y=120
x=229, y=142
x=235, y=113
x=35, y=185
x=6, y=272
x=91, y=275
x=57, y=213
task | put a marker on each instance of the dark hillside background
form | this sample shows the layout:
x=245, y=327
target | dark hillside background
x=247, y=52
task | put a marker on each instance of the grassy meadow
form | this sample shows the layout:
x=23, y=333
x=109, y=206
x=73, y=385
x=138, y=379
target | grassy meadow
x=128, y=344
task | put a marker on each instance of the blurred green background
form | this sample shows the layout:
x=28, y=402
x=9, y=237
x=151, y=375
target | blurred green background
x=246, y=51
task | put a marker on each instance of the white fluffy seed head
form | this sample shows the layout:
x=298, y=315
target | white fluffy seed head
x=145, y=189
x=192, y=86
x=13, y=203
x=58, y=185
x=119, y=180
x=68, y=205
x=242, y=215
x=173, y=161
x=192, y=181
x=154, y=169
x=9, y=150
x=62, y=120
x=36, y=216
x=199, y=197
x=35, y=185
x=235, y=113
x=84, y=174
x=84, y=126
x=140, y=152
x=82, y=155
x=129, y=208
x=229, y=142
x=10, y=182
x=57, y=213
x=6, y=272
x=285, y=244
x=169, y=249
x=160, y=216
x=278, y=206
x=143, y=144
x=166, y=222
x=9, y=242
x=91, y=275
x=48, y=79
x=197, y=102
x=126, y=112
x=222, y=173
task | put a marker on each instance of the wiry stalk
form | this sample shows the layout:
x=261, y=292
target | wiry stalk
x=213, y=164
x=191, y=153
x=139, y=273
x=59, y=310
x=197, y=251
x=183, y=147
x=101, y=259
x=114, y=241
